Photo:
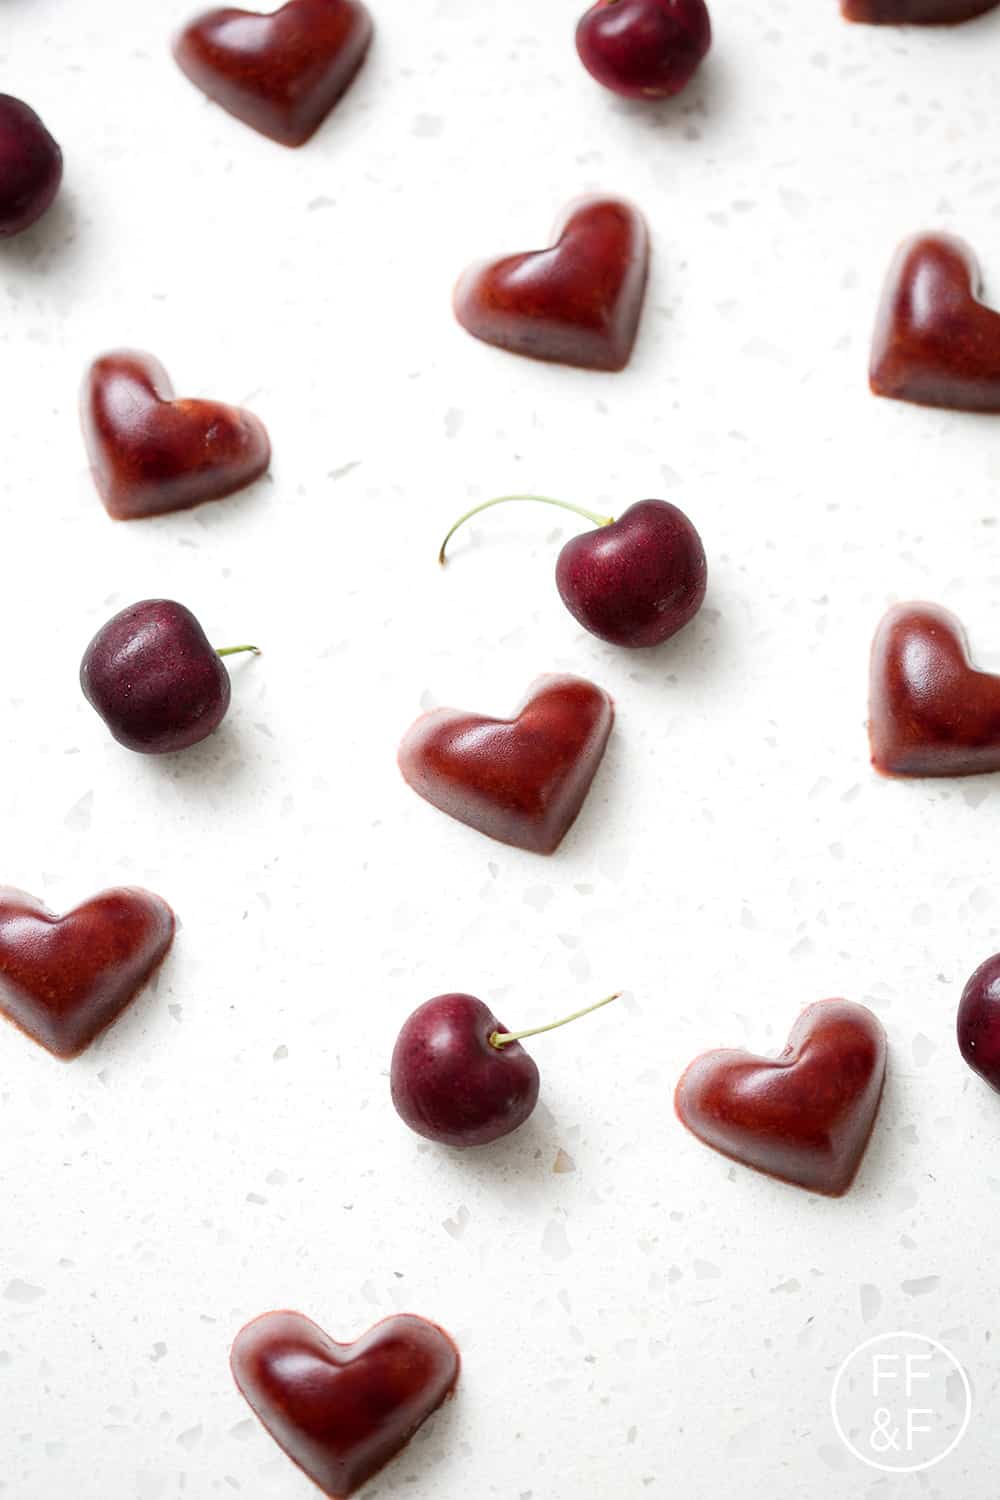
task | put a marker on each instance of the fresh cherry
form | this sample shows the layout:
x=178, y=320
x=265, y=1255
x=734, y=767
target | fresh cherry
x=635, y=581
x=978, y=1024
x=154, y=678
x=31, y=167
x=644, y=49
x=459, y=1077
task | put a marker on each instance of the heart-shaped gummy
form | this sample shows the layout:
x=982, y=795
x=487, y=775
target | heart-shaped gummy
x=150, y=453
x=282, y=73
x=342, y=1411
x=915, y=12
x=64, y=979
x=520, y=780
x=577, y=303
x=805, y=1117
x=930, y=712
x=935, y=343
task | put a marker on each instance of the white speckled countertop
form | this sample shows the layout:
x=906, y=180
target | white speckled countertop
x=647, y=1318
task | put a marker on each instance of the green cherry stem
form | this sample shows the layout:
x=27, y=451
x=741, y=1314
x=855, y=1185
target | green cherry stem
x=588, y=515
x=500, y=1039
x=232, y=650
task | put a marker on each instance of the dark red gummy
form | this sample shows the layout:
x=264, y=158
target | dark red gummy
x=577, y=303
x=935, y=342
x=520, y=780
x=282, y=73
x=151, y=453
x=930, y=712
x=342, y=1411
x=805, y=1118
x=64, y=979
x=915, y=12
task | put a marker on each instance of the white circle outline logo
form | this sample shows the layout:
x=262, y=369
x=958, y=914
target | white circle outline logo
x=929, y=1463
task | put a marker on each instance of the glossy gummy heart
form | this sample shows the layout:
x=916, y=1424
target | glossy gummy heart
x=804, y=1118
x=283, y=73
x=577, y=303
x=935, y=342
x=63, y=980
x=930, y=712
x=31, y=167
x=151, y=453
x=644, y=49
x=915, y=12
x=978, y=1022
x=520, y=780
x=342, y=1411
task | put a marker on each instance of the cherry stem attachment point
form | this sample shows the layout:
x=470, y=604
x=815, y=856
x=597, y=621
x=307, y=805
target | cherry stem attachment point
x=578, y=510
x=500, y=1039
x=233, y=650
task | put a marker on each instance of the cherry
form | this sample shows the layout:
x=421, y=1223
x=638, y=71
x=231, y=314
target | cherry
x=31, y=167
x=635, y=581
x=644, y=49
x=154, y=678
x=978, y=1025
x=459, y=1077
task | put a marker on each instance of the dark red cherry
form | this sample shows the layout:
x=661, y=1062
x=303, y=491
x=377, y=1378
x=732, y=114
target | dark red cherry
x=633, y=582
x=644, y=49
x=459, y=1077
x=155, y=679
x=31, y=167
x=978, y=1024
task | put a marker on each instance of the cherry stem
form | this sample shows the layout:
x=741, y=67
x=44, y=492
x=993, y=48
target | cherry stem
x=500, y=1039
x=578, y=510
x=232, y=650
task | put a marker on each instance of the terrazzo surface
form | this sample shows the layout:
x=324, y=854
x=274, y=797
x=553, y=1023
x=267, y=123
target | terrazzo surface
x=636, y=1315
